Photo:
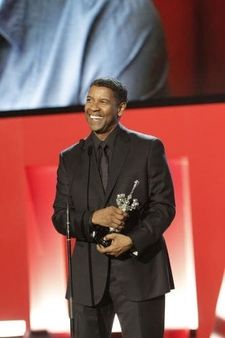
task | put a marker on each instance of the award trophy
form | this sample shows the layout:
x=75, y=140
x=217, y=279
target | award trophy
x=127, y=203
x=124, y=203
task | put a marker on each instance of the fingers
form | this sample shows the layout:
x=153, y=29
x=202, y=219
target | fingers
x=117, y=218
x=118, y=225
x=101, y=249
x=110, y=217
x=120, y=244
x=120, y=214
x=108, y=250
x=111, y=236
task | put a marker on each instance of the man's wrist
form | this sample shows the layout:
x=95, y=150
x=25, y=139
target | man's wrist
x=133, y=250
x=92, y=226
x=93, y=218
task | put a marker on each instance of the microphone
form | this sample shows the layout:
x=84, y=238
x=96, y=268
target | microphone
x=70, y=271
x=89, y=151
x=67, y=221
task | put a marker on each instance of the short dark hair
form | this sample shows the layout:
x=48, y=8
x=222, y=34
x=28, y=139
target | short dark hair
x=119, y=90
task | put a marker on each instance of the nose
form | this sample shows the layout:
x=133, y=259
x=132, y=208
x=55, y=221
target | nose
x=94, y=106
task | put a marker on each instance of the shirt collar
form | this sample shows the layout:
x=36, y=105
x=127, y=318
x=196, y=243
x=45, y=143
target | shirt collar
x=12, y=22
x=109, y=140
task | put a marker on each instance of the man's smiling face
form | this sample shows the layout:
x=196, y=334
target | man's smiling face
x=102, y=110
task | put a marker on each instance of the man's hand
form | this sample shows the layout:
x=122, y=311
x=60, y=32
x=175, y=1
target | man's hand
x=110, y=217
x=120, y=244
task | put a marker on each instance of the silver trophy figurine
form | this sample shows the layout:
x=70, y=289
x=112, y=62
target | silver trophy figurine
x=124, y=203
x=127, y=204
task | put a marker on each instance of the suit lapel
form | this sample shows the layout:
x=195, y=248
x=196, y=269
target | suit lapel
x=120, y=152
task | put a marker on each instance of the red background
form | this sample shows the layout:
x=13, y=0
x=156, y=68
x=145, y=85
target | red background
x=195, y=131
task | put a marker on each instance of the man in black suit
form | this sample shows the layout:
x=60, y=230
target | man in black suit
x=120, y=262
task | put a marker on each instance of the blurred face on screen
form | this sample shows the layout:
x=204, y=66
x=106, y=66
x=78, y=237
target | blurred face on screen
x=102, y=111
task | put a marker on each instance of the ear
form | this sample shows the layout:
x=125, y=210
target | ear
x=121, y=108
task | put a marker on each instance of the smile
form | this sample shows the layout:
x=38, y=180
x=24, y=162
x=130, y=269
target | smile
x=96, y=118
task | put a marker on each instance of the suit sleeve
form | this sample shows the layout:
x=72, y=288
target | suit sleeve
x=159, y=211
x=79, y=219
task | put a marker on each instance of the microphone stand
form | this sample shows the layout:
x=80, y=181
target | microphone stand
x=70, y=273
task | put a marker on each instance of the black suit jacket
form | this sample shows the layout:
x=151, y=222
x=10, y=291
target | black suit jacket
x=135, y=156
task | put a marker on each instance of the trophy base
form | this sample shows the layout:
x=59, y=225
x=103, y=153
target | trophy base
x=99, y=237
x=101, y=233
x=104, y=242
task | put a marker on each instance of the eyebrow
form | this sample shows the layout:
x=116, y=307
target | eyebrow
x=101, y=98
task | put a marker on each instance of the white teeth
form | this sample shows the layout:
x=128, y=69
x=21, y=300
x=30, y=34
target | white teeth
x=94, y=117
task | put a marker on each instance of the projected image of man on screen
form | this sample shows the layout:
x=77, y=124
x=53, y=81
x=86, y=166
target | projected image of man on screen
x=51, y=50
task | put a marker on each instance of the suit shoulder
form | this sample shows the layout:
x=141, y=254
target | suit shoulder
x=144, y=141
x=142, y=137
x=69, y=151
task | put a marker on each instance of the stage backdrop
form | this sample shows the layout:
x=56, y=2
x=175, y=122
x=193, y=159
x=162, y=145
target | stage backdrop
x=193, y=135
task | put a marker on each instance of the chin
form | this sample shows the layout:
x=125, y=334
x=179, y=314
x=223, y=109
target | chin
x=96, y=129
x=99, y=130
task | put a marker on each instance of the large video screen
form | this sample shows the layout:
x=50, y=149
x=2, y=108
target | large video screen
x=50, y=51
